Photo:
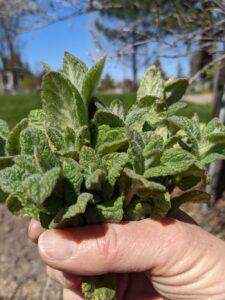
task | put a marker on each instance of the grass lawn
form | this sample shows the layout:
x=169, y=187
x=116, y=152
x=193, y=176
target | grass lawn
x=15, y=107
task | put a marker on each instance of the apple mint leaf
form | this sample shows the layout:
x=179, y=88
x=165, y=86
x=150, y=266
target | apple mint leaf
x=213, y=127
x=192, y=196
x=132, y=185
x=96, y=180
x=62, y=103
x=27, y=163
x=71, y=170
x=99, y=287
x=175, y=108
x=117, y=108
x=90, y=161
x=91, y=80
x=34, y=142
x=4, y=129
x=175, y=89
x=6, y=161
x=137, y=146
x=75, y=70
x=39, y=187
x=72, y=215
x=110, y=139
x=109, y=118
x=56, y=139
x=109, y=210
x=172, y=162
x=28, y=210
x=37, y=118
x=191, y=129
x=114, y=164
x=151, y=87
x=138, y=210
x=13, y=141
x=2, y=146
x=3, y=196
x=161, y=207
x=212, y=157
x=11, y=179
x=136, y=118
x=153, y=151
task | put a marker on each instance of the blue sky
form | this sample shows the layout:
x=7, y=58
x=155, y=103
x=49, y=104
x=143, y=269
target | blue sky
x=48, y=45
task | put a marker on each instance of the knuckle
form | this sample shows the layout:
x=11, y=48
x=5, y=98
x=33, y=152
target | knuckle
x=107, y=244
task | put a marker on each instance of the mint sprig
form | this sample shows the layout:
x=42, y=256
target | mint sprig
x=76, y=161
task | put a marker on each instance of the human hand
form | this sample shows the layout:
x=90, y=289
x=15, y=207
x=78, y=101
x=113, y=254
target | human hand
x=167, y=259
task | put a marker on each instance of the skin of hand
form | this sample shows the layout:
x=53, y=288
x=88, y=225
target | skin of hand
x=168, y=259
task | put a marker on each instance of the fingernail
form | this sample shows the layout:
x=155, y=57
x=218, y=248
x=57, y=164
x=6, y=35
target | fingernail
x=54, y=247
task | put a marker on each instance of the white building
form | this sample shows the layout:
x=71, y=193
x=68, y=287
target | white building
x=6, y=81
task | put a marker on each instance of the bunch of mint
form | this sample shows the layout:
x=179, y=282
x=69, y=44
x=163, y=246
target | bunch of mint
x=76, y=161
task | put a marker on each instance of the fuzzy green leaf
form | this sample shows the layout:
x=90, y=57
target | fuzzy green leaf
x=2, y=146
x=3, y=196
x=152, y=152
x=99, y=287
x=136, y=117
x=173, y=161
x=62, y=102
x=109, y=210
x=38, y=188
x=37, y=118
x=91, y=80
x=75, y=70
x=191, y=129
x=96, y=180
x=175, y=108
x=71, y=170
x=155, y=208
x=90, y=161
x=114, y=163
x=187, y=182
x=117, y=108
x=34, y=142
x=4, y=129
x=11, y=179
x=138, y=210
x=151, y=86
x=192, y=196
x=132, y=185
x=15, y=207
x=56, y=138
x=13, y=142
x=213, y=127
x=137, y=146
x=212, y=157
x=108, y=118
x=175, y=89
x=72, y=216
x=82, y=137
x=110, y=139
x=26, y=162
x=6, y=161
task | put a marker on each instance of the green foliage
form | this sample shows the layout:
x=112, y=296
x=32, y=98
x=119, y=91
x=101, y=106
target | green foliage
x=77, y=162
x=28, y=83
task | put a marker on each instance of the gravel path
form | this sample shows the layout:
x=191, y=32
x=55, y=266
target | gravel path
x=199, y=99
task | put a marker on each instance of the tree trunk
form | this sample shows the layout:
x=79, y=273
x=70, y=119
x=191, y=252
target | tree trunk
x=134, y=64
x=217, y=169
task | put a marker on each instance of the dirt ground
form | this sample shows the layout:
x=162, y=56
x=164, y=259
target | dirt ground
x=22, y=275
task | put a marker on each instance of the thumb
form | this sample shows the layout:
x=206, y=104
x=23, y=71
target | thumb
x=124, y=247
